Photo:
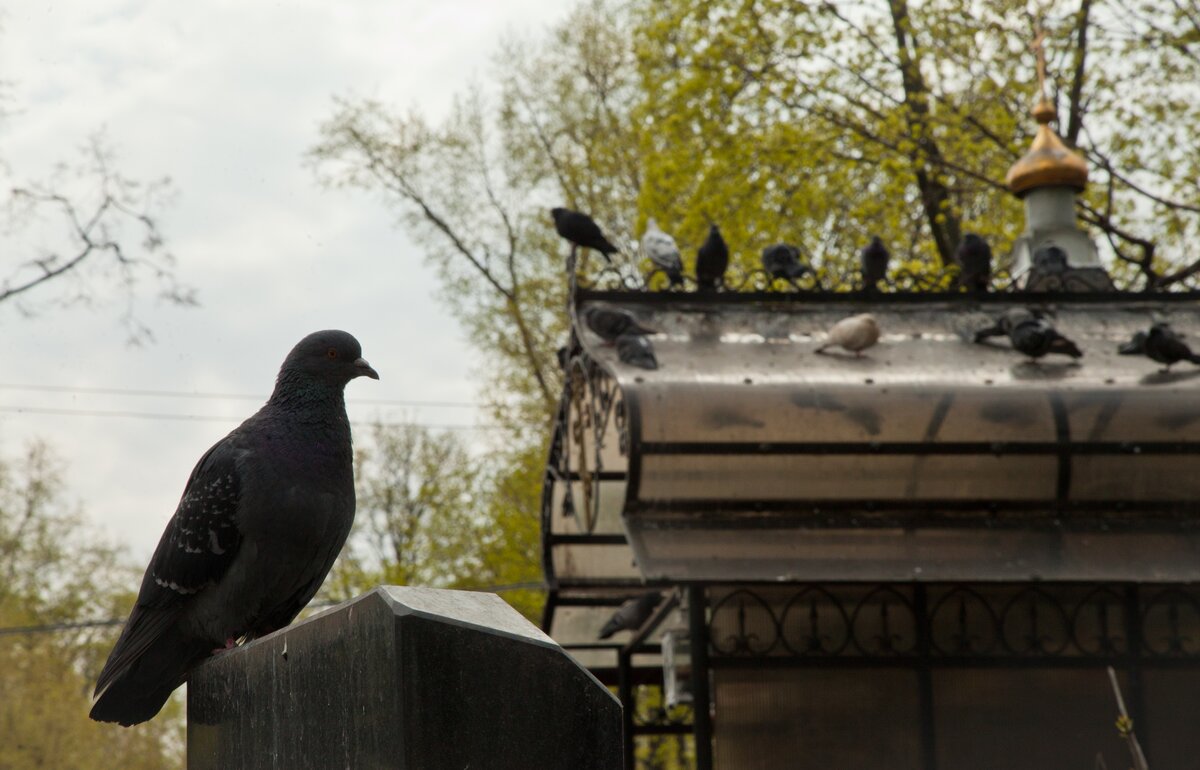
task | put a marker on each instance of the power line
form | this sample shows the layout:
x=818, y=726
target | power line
x=50, y=628
x=62, y=412
x=209, y=395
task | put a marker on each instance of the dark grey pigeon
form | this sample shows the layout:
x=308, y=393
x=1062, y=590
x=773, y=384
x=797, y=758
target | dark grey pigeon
x=632, y=615
x=1162, y=344
x=580, y=230
x=1030, y=334
x=1050, y=260
x=712, y=260
x=611, y=323
x=264, y=514
x=874, y=260
x=783, y=261
x=636, y=350
x=974, y=258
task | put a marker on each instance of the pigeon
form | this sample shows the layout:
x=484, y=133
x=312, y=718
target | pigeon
x=856, y=334
x=783, y=261
x=611, y=323
x=632, y=615
x=874, y=258
x=580, y=230
x=1162, y=344
x=662, y=252
x=712, y=260
x=1030, y=334
x=262, y=518
x=974, y=258
x=636, y=350
x=1050, y=260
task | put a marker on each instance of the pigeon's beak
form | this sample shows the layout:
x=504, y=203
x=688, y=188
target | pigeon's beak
x=364, y=369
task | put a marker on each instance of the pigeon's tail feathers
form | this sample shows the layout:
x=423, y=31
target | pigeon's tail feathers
x=1061, y=344
x=151, y=659
x=611, y=627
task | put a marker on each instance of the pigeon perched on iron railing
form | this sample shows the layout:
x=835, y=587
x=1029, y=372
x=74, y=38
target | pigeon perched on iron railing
x=1030, y=334
x=660, y=249
x=636, y=350
x=712, y=260
x=262, y=518
x=782, y=260
x=632, y=614
x=974, y=258
x=873, y=260
x=1162, y=344
x=856, y=334
x=610, y=323
x=580, y=230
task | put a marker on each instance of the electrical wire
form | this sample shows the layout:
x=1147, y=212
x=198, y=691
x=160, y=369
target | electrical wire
x=49, y=628
x=106, y=391
x=12, y=409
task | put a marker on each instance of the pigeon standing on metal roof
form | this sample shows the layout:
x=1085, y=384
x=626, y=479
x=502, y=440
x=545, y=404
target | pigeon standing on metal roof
x=1030, y=334
x=581, y=230
x=782, y=260
x=1162, y=344
x=974, y=258
x=663, y=253
x=611, y=323
x=262, y=518
x=636, y=350
x=856, y=334
x=874, y=259
x=632, y=615
x=712, y=260
x=1050, y=259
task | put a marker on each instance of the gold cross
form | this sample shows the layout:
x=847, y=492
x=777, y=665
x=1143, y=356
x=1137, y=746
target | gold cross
x=1040, y=51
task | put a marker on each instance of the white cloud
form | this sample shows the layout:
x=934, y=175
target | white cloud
x=225, y=97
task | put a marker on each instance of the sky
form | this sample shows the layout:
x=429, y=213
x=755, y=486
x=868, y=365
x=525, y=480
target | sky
x=225, y=97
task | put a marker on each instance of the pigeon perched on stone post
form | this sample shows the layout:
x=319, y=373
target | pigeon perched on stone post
x=712, y=260
x=581, y=230
x=663, y=253
x=874, y=259
x=262, y=518
x=632, y=614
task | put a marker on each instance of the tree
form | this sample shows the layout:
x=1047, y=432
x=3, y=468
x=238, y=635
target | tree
x=902, y=119
x=54, y=570
x=86, y=234
x=429, y=513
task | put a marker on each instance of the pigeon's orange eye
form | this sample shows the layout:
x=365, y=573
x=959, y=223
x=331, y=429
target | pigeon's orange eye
x=332, y=353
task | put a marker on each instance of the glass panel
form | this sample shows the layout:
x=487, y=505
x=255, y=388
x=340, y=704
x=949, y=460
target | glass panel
x=847, y=477
x=1135, y=477
x=1028, y=719
x=594, y=561
x=819, y=719
x=1171, y=739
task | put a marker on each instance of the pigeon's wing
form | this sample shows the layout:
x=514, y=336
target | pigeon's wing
x=195, y=550
x=203, y=536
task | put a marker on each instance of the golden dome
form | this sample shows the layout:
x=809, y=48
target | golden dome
x=1049, y=162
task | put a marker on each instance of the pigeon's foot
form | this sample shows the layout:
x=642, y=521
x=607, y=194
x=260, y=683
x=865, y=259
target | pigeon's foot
x=230, y=643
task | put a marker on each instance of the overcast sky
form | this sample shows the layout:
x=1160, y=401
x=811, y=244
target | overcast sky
x=225, y=97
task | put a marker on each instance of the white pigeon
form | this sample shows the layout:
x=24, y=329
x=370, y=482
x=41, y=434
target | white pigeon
x=663, y=253
x=856, y=334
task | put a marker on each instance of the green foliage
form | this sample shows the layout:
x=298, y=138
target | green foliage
x=54, y=569
x=824, y=122
x=429, y=513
